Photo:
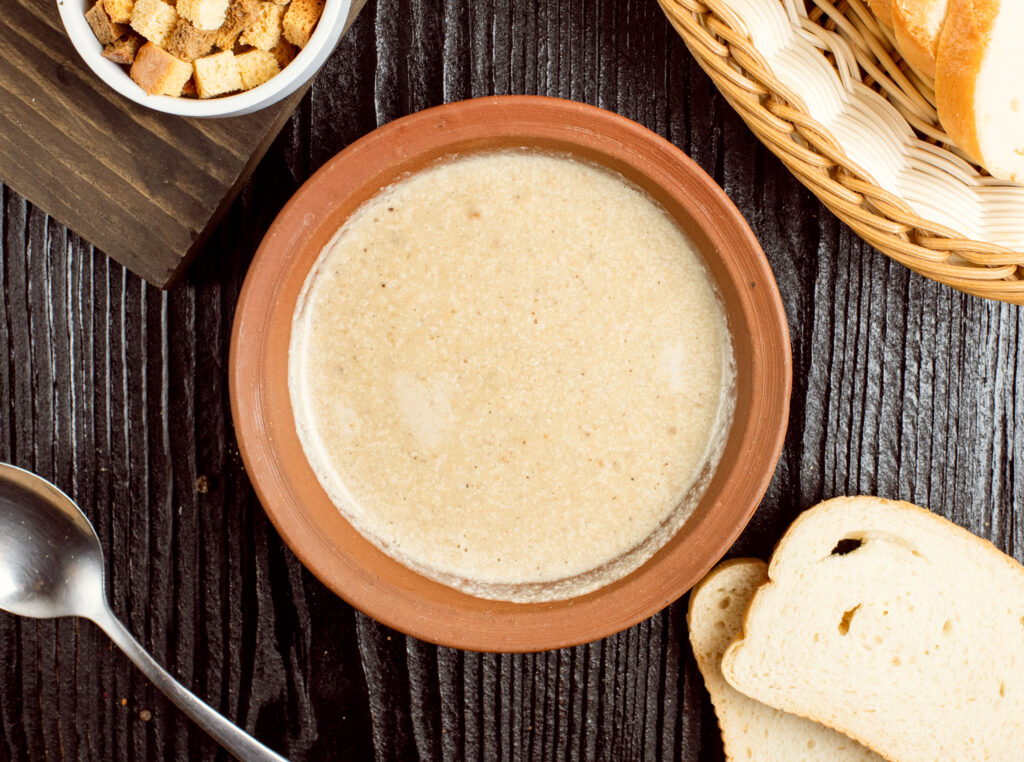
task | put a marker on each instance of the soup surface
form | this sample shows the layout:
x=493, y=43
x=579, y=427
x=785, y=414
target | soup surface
x=511, y=372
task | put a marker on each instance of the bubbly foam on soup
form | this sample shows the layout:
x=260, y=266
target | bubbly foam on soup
x=511, y=372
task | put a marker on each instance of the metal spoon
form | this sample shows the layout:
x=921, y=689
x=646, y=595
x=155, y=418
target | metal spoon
x=51, y=565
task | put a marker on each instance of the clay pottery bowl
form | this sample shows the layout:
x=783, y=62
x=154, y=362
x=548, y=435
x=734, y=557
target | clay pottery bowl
x=314, y=528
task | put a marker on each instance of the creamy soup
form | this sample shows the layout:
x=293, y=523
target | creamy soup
x=511, y=372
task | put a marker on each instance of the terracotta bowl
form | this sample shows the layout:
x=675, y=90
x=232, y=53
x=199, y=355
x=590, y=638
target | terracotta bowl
x=303, y=514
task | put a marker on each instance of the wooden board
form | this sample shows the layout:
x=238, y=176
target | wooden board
x=902, y=387
x=145, y=187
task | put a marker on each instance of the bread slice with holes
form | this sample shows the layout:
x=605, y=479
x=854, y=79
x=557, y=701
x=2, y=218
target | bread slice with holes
x=978, y=88
x=894, y=626
x=751, y=730
x=918, y=24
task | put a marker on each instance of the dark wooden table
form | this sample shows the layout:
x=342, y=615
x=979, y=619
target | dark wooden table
x=118, y=392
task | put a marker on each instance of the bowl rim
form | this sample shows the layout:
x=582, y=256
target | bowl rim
x=349, y=564
x=305, y=65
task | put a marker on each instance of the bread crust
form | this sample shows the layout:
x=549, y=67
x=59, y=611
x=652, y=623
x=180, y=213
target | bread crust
x=912, y=39
x=883, y=10
x=961, y=50
x=758, y=570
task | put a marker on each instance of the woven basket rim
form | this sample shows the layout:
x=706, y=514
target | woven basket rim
x=717, y=38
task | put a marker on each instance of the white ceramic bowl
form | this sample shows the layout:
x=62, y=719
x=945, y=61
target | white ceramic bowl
x=292, y=77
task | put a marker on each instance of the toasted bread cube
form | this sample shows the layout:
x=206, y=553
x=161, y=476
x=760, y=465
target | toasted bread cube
x=158, y=72
x=284, y=52
x=204, y=14
x=265, y=30
x=154, y=20
x=240, y=15
x=256, y=67
x=106, y=31
x=124, y=50
x=217, y=74
x=227, y=39
x=120, y=11
x=189, y=90
x=188, y=43
x=300, y=20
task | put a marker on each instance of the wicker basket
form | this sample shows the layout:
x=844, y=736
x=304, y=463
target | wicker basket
x=821, y=86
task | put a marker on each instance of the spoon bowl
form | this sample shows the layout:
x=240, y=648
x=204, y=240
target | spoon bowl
x=51, y=565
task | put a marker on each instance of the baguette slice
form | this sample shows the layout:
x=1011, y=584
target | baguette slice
x=918, y=24
x=978, y=85
x=896, y=627
x=750, y=729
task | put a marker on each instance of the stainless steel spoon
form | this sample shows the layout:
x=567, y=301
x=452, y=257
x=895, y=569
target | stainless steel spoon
x=51, y=565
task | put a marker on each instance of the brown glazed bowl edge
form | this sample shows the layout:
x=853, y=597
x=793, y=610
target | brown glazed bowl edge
x=299, y=508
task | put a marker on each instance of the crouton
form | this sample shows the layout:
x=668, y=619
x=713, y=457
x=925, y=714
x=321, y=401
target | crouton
x=256, y=67
x=284, y=52
x=154, y=20
x=124, y=50
x=227, y=37
x=300, y=20
x=204, y=14
x=265, y=30
x=241, y=14
x=103, y=27
x=189, y=89
x=120, y=11
x=188, y=43
x=158, y=72
x=217, y=74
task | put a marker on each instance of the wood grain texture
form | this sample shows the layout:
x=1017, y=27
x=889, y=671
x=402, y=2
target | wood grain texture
x=117, y=391
x=148, y=188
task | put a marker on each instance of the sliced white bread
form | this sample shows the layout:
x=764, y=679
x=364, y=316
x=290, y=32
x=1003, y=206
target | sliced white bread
x=979, y=89
x=896, y=627
x=917, y=24
x=882, y=10
x=752, y=731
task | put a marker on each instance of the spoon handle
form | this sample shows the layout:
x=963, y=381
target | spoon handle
x=230, y=736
